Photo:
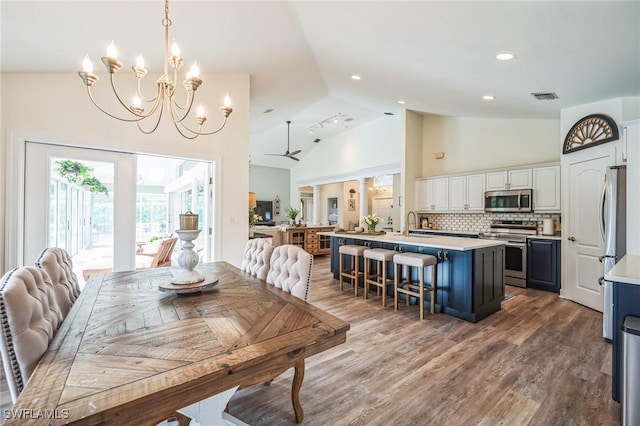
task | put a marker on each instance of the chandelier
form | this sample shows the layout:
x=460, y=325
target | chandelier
x=166, y=90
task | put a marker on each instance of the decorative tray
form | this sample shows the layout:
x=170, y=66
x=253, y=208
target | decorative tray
x=360, y=233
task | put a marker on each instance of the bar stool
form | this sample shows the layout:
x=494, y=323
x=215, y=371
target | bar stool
x=379, y=278
x=354, y=273
x=409, y=288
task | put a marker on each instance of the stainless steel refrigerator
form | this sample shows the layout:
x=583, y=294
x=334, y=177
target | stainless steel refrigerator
x=614, y=233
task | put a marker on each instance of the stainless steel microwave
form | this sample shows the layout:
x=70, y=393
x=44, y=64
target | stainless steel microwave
x=517, y=201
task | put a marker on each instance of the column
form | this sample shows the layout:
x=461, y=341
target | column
x=364, y=197
x=316, y=205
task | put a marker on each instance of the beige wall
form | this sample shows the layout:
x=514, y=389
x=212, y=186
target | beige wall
x=55, y=108
x=483, y=143
x=413, y=153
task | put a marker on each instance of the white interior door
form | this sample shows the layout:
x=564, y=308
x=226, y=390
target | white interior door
x=38, y=201
x=582, y=240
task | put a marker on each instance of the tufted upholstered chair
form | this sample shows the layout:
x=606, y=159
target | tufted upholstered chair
x=290, y=270
x=29, y=318
x=257, y=257
x=58, y=264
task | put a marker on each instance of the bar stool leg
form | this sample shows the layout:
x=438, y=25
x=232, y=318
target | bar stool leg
x=433, y=289
x=367, y=272
x=340, y=269
x=356, y=272
x=421, y=284
x=384, y=284
x=396, y=269
x=407, y=271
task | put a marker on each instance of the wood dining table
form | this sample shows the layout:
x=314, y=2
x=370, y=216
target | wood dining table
x=130, y=354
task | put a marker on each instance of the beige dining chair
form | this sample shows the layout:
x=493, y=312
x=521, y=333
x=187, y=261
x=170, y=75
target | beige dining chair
x=57, y=262
x=29, y=318
x=290, y=270
x=257, y=256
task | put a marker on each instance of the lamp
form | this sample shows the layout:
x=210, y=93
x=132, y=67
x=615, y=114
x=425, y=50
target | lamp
x=166, y=89
x=252, y=200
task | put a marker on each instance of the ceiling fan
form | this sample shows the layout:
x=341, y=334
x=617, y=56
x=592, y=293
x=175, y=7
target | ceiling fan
x=287, y=153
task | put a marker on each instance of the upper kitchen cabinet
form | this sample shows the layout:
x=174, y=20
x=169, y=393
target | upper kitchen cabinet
x=546, y=189
x=432, y=194
x=509, y=179
x=466, y=193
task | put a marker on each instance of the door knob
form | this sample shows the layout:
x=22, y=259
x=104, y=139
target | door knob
x=571, y=238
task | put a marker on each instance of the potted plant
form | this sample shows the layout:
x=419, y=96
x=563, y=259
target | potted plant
x=371, y=221
x=80, y=174
x=253, y=219
x=352, y=192
x=292, y=214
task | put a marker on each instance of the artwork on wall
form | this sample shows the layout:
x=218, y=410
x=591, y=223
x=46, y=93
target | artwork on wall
x=590, y=131
x=351, y=204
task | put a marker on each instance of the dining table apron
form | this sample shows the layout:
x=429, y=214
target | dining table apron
x=130, y=354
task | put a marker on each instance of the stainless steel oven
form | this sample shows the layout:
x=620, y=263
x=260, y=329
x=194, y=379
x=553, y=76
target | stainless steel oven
x=515, y=263
x=514, y=234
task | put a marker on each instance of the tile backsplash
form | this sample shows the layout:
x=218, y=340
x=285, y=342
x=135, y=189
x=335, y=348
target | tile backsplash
x=480, y=222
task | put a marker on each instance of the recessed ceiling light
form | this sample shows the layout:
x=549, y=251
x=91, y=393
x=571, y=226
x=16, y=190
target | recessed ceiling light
x=488, y=97
x=355, y=77
x=401, y=102
x=504, y=56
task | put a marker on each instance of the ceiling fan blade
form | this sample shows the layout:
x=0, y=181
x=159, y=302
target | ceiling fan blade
x=278, y=155
x=295, y=152
x=292, y=157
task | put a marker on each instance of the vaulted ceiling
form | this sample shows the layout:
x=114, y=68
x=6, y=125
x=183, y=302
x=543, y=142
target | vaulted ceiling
x=437, y=57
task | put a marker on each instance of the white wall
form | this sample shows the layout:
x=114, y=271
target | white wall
x=55, y=108
x=620, y=110
x=335, y=159
x=471, y=144
x=267, y=182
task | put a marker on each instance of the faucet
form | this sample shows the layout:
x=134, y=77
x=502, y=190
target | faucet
x=411, y=212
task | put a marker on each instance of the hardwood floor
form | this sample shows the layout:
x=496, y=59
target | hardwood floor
x=541, y=360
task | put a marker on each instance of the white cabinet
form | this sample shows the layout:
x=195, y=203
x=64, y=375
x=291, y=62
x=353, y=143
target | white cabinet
x=509, y=179
x=432, y=194
x=546, y=189
x=421, y=195
x=466, y=193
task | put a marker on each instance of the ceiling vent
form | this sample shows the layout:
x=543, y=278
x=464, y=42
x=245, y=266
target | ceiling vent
x=541, y=96
x=348, y=119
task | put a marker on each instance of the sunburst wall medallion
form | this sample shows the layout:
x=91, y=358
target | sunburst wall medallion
x=590, y=131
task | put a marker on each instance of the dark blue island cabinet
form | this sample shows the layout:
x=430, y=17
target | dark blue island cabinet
x=626, y=301
x=470, y=283
x=543, y=264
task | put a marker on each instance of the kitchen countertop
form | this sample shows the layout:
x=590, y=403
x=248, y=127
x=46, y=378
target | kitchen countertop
x=449, y=243
x=627, y=270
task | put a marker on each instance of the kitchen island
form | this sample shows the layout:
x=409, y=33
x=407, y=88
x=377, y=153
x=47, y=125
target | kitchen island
x=470, y=271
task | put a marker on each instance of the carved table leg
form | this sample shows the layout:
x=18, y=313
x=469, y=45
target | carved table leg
x=298, y=377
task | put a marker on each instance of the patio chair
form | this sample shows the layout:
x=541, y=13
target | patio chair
x=160, y=258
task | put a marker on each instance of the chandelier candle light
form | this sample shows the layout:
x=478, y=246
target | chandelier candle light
x=166, y=89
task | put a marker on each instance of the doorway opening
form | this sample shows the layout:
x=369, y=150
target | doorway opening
x=113, y=209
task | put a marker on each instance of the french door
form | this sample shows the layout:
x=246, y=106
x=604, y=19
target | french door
x=63, y=214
